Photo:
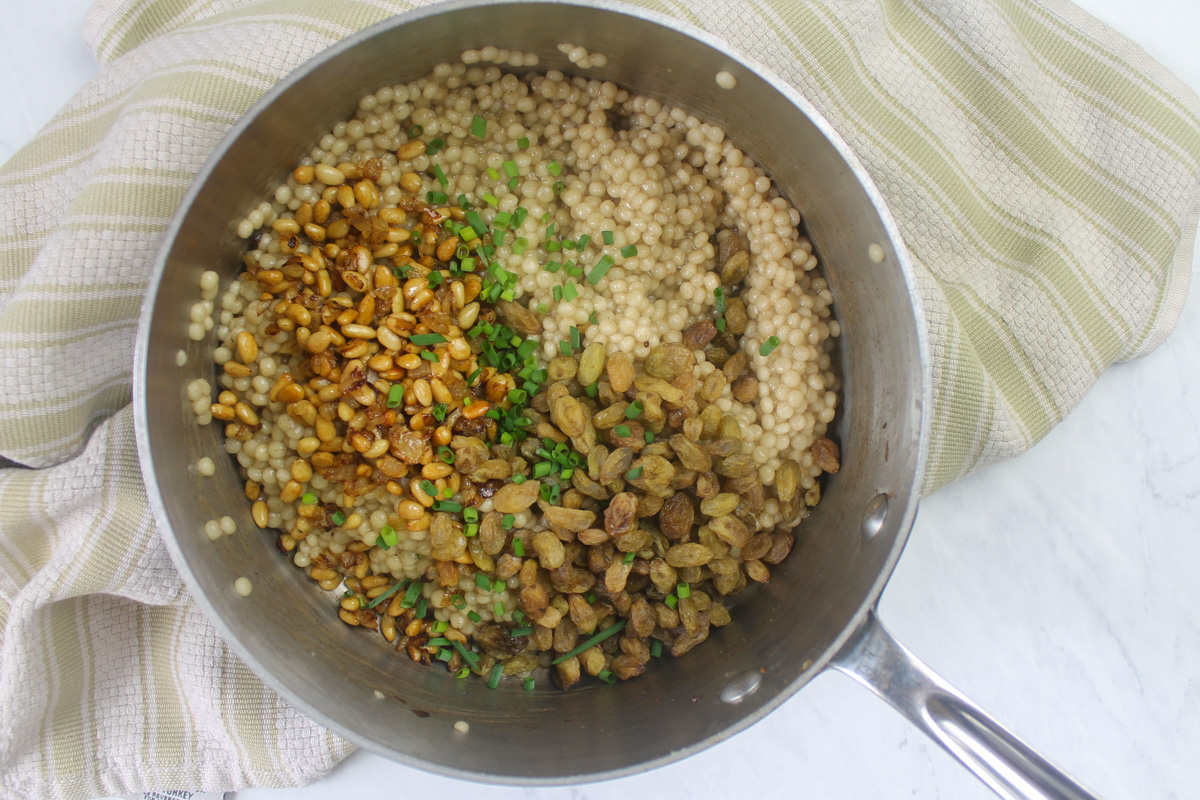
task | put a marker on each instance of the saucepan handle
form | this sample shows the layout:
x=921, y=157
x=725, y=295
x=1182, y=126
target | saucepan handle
x=1006, y=764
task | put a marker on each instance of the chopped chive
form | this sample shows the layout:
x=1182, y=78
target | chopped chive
x=410, y=596
x=529, y=684
x=387, y=535
x=436, y=198
x=498, y=586
x=490, y=199
x=607, y=236
x=519, y=216
x=628, y=251
x=439, y=412
x=429, y=355
x=633, y=474
x=633, y=410
x=483, y=581
x=512, y=183
x=720, y=324
x=498, y=608
x=471, y=514
x=629, y=557
x=583, y=242
x=553, y=247
x=507, y=522
x=463, y=202
x=602, y=267
x=518, y=548
x=435, y=279
x=574, y=330
x=683, y=591
x=446, y=454
x=554, y=168
x=517, y=396
x=719, y=299
x=590, y=597
x=471, y=529
x=520, y=245
x=471, y=658
x=385, y=595
x=556, y=292
x=309, y=499
x=523, y=143
x=519, y=616
x=510, y=168
x=464, y=672
x=434, y=146
x=768, y=346
x=476, y=222
x=422, y=607
x=338, y=517
x=468, y=264
x=478, y=127
x=444, y=655
x=671, y=601
x=594, y=640
x=649, y=437
x=439, y=626
x=558, y=187
x=565, y=346
x=655, y=648
x=447, y=493
x=552, y=266
x=593, y=390
x=415, y=131
x=428, y=488
x=474, y=616
x=447, y=506
x=491, y=173
x=439, y=641
x=622, y=431
x=494, y=678
x=441, y=176
x=607, y=676
x=502, y=220
x=458, y=601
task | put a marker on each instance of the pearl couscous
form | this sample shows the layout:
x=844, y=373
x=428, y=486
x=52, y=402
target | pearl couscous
x=520, y=364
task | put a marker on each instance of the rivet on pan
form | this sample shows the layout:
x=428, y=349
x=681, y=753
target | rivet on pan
x=875, y=253
x=741, y=687
x=875, y=515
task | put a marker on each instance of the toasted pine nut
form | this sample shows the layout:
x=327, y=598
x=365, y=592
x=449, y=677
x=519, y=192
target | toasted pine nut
x=378, y=449
x=459, y=349
x=285, y=227
x=315, y=232
x=467, y=317
x=221, y=412
x=303, y=174
x=408, y=361
x=345, y=196
x=235, y=370
x=477, y=409
x=442, y=436
x=440, y=393
x=246, y=414
x=348, y=617
x=409, y=151
x=446, y=249
x=291, y=490
x=321, y=211
x=308, y=445
x=330, y=176
x=435, y=470
x=301, y=470
x=356, y=331
x=259, y=512
x=366, y=193
x=409, y=509
x=322, y=574
x=393, y=216
x=247, y=347
x=423, y=392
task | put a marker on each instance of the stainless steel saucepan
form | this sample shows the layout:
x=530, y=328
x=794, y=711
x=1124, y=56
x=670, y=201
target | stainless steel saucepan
x=818, y=611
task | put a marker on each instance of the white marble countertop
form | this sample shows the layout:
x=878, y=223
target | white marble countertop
x=1059, y=590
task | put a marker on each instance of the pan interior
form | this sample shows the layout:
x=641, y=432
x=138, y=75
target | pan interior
x=785, y=631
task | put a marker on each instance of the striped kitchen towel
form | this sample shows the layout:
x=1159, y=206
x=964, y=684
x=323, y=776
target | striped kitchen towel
x=1043, y=171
